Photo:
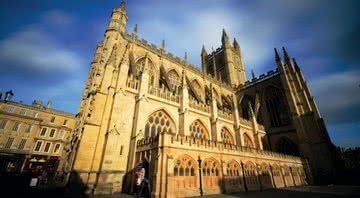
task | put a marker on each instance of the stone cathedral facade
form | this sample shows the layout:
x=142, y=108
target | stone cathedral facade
x=208, y=130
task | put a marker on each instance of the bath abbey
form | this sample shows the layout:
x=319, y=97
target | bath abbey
x=201, y=131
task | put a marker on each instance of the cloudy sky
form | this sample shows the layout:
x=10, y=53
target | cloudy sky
x=46, y=46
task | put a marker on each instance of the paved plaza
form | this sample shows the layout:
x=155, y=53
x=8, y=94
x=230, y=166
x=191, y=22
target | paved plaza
x=293, y=192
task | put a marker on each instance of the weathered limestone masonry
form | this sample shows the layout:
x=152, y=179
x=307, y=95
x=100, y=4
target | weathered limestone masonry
x=140, y=102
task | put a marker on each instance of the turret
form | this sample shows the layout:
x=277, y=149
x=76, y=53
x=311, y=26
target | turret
x=118, y=19
x=236, y=46
x=225, y=40
x=203, y=59
x=287, y=58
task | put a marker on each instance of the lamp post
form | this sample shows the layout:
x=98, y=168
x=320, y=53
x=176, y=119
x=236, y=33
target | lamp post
x=272, y=176
x=201, y=190
x=259, y=176
x=244, y=179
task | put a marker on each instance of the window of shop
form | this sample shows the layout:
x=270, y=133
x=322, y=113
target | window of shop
x=16, y=126
x=9, y=109
x=9, y=142
x=35, y=114
x=57, y=148
x=61, y=134
x=22, y=144
x=22, y=112
x=3, y=124
x=52, y=133
x=43, y=131
x=47, y=147
x=28, y=129
x=38, y=146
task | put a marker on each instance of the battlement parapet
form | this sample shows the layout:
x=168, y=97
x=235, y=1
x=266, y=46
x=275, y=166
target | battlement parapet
x=182, y=141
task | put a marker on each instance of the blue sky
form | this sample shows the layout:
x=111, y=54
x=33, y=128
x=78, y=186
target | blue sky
x=46, y=46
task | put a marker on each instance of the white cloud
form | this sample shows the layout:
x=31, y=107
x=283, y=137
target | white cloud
x=338, y=96
x=58, y=18
x=37, y=50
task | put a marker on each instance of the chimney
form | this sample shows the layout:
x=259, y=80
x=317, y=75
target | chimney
x=37, y=104
x=8, y=95
x=48, y=106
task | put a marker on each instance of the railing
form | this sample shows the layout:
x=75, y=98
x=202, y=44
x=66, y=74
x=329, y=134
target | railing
x=132, y=83
x=225, y=115
x=261, y=127
x=164, y=94
x=210, y=145
x=199, y=106
x=245, y=122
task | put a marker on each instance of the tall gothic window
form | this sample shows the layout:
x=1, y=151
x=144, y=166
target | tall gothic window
x=174, y=80
x=211, y=167
x=226, y=136
x=250, y=169
x=285, y=145
x=185, y=166
x=158, y=122
x=198, y=130
x=197, y=87
x=244, y=107
x=276, y=170
x=247, y=141
x=233, y=168
x=276, y=107
x=140, y=64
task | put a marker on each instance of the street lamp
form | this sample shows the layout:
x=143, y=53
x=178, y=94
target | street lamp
x=201, y=190
x=259, y=175
x=244, y=179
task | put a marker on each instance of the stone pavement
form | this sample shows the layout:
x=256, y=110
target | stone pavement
x=299, y=192
x=292, y=192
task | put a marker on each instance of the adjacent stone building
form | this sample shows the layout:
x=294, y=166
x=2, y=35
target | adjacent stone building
x=33, y=138
x=202, y=131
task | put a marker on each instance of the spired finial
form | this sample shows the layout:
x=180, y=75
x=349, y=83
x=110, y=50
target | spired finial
x=163, y=44
x=296, y=65
x=224, y=33
x=287, y=58
x=136, y=28
x=253, y=74
x=236, y=44
x=186, y=56
x=203, y=50
x=277, y=57
x=122, y=4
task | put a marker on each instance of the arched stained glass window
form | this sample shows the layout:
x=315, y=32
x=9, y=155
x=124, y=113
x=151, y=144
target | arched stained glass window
x=198, y=130
x=140, y=64
x=174, y=79
x=247, y=141
x=211, y=166
x=233, y=169
x=159, y=122
x=250, y=169
x=276, y=107
x=184, y=166
x=226, y=136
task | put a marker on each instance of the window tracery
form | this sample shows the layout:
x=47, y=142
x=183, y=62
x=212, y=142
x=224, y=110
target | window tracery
x=211, y=167
x=226, y=136
x=185, y=166
x=233, y=168
x=158, y=122
x=174, y=80
x=198, y=130
x=247, y=141
x=276, y=107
